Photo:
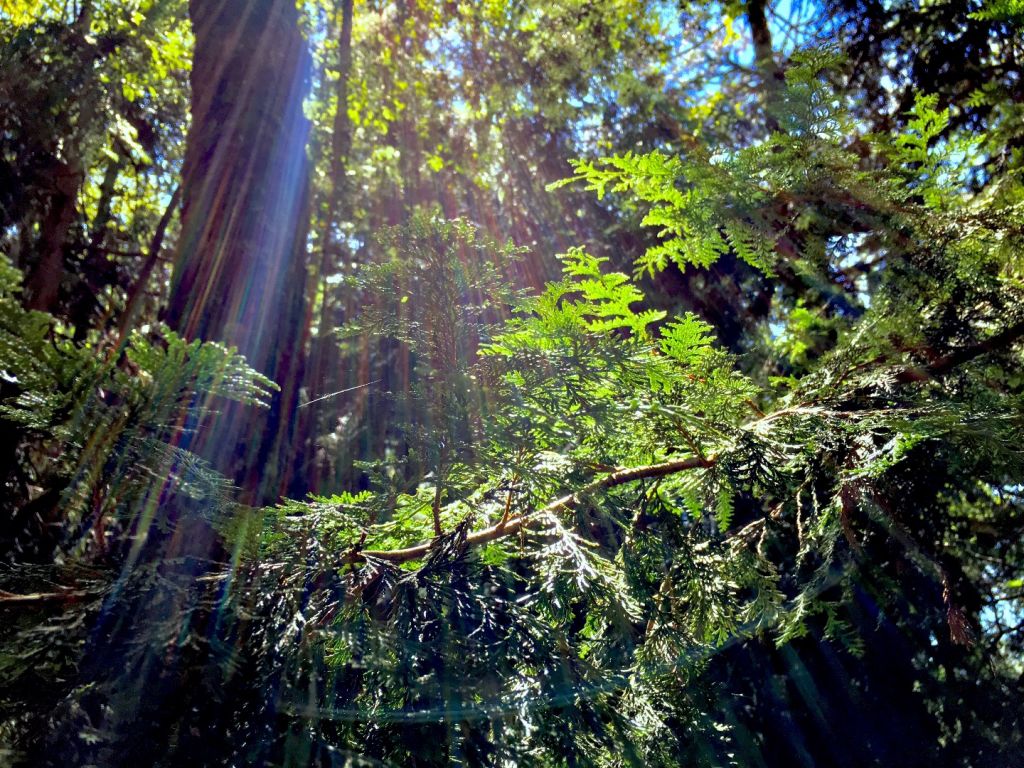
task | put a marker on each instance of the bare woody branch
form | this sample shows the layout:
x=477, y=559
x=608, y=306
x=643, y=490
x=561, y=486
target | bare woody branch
x=512, y=525
x=517, y=523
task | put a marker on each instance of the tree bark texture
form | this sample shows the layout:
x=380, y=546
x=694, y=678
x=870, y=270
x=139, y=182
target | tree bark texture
x=239, y=273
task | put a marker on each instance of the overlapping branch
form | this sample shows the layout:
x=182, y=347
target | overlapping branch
x=514, y=524
x=517, y=523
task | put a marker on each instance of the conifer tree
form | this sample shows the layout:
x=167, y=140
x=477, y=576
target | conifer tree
x=656, y=369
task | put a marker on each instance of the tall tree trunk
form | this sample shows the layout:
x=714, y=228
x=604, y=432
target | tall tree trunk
x=239, y=278
x=321, y=374
x=239, y=274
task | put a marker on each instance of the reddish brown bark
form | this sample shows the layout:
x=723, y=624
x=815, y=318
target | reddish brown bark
x=239, y=274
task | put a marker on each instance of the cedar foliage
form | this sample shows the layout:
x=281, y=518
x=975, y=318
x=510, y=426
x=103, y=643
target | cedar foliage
x=581, y=520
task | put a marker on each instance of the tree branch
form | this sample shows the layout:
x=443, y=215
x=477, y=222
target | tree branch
x=67, y=594
x=946, y=363
x=511, y=525
x=523, y=521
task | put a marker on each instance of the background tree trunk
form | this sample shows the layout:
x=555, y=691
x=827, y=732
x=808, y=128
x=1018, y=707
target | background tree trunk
x=239, y=273
x=322, y=374
x=43, y=283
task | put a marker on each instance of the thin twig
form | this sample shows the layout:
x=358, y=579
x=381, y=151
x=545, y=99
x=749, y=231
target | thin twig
x=341, y=392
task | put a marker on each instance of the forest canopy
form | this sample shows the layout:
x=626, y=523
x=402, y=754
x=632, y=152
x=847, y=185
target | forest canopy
x=499, y=383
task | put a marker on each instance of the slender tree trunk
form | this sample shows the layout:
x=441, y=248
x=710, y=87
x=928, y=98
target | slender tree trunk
x=764, y=58
x=108, y=189
x=239, y=274
x=321, y=377
x=43, y=283
x=96, y=266
x=138, y=290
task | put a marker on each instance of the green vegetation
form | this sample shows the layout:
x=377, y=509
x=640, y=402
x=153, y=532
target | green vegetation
x=511, y=383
